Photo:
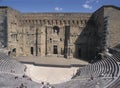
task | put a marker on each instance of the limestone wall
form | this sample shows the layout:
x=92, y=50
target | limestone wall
x=114, y=25
x=3, y=21
x=48, y=38
x=58, y=34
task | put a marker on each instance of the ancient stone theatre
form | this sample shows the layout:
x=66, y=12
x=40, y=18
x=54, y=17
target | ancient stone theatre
x=58, y=34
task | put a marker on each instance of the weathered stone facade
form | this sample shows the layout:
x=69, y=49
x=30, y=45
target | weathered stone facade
x=57, y=34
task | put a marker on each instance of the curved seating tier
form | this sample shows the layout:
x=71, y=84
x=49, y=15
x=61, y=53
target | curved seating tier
x=103, y=74
x=9, y=65
x=11, y=81
x=12, y=74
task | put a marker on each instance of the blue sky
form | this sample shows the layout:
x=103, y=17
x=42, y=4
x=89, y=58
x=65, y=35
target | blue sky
x=58, y=5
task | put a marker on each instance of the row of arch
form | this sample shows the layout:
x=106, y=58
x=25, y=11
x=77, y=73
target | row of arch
x=57, y=22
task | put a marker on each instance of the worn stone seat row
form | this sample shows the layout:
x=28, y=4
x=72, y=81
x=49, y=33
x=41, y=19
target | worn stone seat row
x=107, y=66
x=11, y=81
x=12, y=74
x=103, y=73
x=9, y=65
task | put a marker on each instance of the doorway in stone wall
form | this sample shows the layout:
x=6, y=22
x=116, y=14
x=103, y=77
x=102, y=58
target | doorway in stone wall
x=55, y=49
x=32, y=50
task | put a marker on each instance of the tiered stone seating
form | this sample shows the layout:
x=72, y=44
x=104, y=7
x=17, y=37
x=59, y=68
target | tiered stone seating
x=11, y=74
x=104, y=73
x=116, y=58
x=116, y=66
x=9, y=65
x=115, y=54
x=11, y=81
x=104, y=67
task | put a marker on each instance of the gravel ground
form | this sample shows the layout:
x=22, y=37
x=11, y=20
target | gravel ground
x=53, y=75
